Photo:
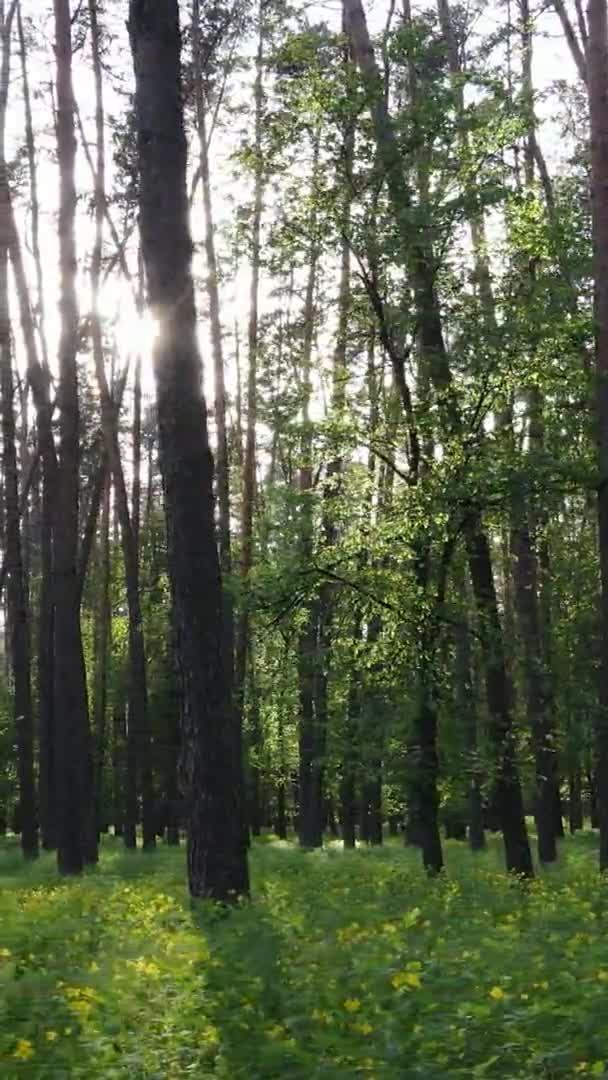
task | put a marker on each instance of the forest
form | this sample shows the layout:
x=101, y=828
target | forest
x=303, y=539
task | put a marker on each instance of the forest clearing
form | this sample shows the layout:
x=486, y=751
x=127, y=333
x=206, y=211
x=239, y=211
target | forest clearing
x=347, y=964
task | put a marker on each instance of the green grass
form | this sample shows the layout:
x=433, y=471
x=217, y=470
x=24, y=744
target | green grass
x=346, y=965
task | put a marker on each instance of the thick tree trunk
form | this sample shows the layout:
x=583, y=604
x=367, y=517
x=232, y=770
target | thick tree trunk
x=73, y=764
x=212, y=771
x=597, y=71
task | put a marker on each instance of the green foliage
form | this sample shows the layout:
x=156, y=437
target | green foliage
x=346, y=965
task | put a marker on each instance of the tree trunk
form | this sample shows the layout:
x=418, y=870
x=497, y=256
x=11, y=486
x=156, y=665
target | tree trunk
x=103, y=625
x=18, y=615
x=213, y=295
x=467, y=707
x=431, y=344
x=244, y=644
x=138, y=730
x=538, y=695
x=73, y=764
x=575, y=798
x=17, y=605
x=507, y=796
x=597, y=71
x=45, y=654
x=34, y=205
x=350, y=760
x=212, y=771
x=119, y=735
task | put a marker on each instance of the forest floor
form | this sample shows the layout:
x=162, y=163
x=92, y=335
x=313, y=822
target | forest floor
x=346, y=965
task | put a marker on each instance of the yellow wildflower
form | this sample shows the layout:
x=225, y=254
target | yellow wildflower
x=352, y=1004
x=51, y=1036
x=23, y=1050
x=363, y=1029
x=497, y=993
x=408, y=979
x=5, y=954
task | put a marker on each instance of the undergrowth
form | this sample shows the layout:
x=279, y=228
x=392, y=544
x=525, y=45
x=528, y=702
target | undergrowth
x=346, y=965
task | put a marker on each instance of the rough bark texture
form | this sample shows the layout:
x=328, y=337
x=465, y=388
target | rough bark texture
x=212, y=774
x=597, y=55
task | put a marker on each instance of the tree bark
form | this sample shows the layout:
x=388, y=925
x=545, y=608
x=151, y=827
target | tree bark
x=212, y=772
x=597, y=69
x=311, y=741
x=73, y=762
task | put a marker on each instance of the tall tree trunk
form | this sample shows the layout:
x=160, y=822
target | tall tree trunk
x=468, y=710
x=119, y=733
x=431, y=343
x=138, y=729
x=74, y=773
x=244, y=644
x=538, y=694
x=597, y=69
x=103, y=623
x=350, y=764
x=39, y=378
x=537, y=680
x=17, y=606
x=34, y=205
x=213, y=295
x=312, y=732
x=212, y=770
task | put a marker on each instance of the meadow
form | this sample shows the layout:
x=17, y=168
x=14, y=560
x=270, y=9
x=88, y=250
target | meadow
x=345, y=965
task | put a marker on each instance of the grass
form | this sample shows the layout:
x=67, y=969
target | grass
x=346, y=965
